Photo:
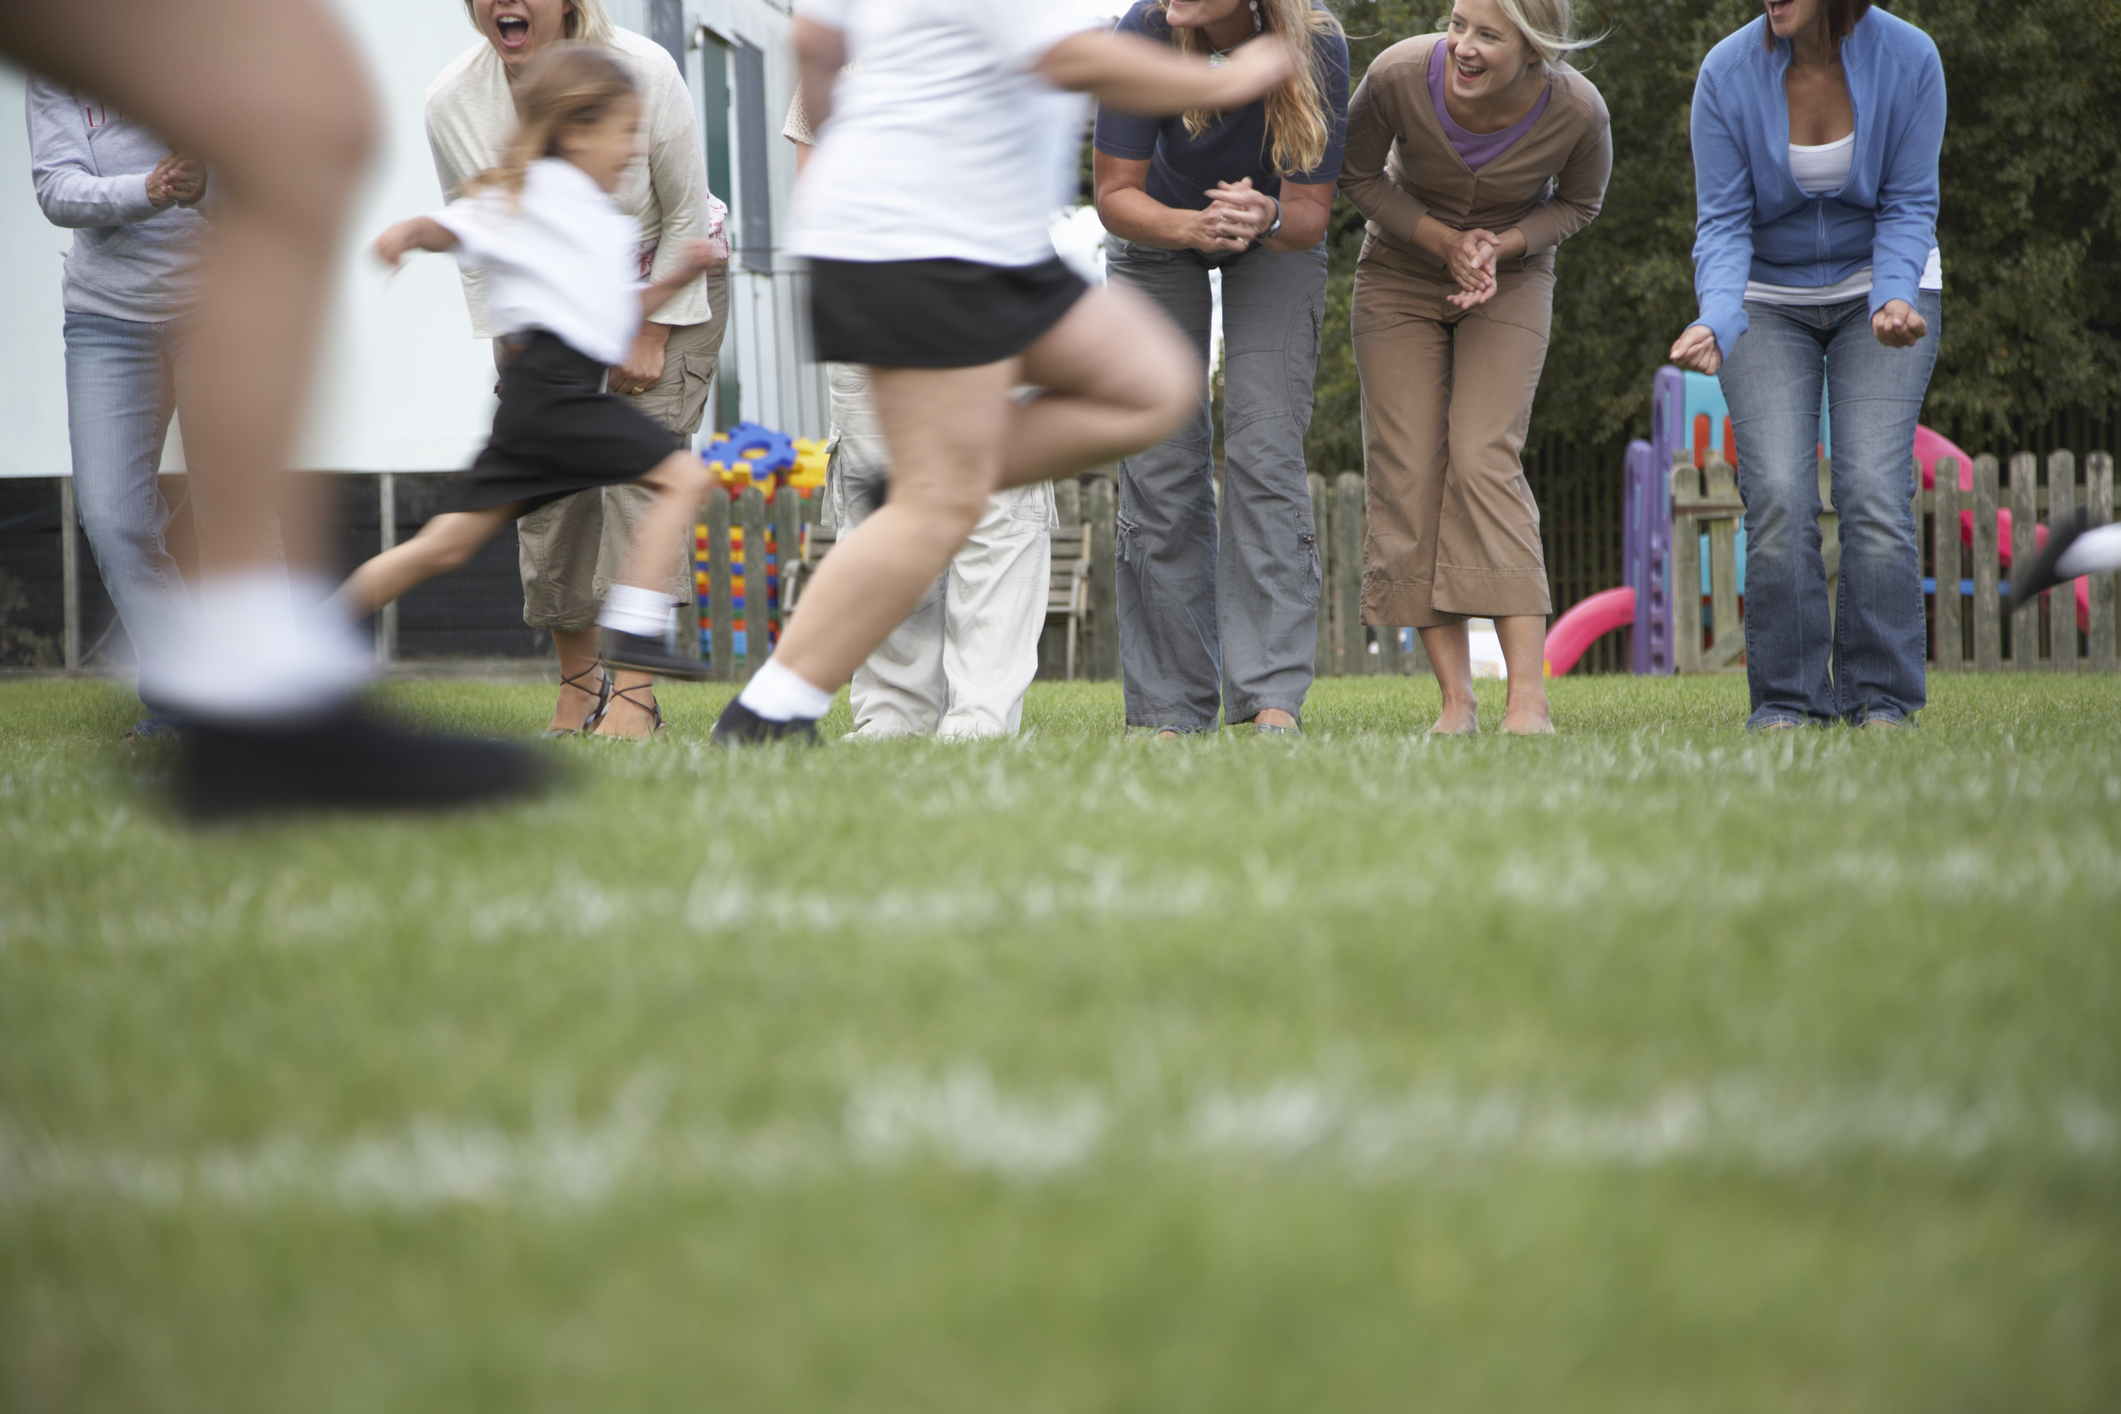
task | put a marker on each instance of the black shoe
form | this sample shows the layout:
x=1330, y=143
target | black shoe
x=641, y=654
x=345, y=761
x=740, y=726
x=2040, y=575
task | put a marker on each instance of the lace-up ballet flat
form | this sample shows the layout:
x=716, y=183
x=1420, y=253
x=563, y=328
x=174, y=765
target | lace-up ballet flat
x=602, y=694
x=656, y=725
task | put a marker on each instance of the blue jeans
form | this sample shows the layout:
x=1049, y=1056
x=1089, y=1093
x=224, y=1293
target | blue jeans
x=121, y=378
x=1865, y=661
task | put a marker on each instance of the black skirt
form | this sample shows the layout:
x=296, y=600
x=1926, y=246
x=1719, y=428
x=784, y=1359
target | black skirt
x=557, y=432
x=935, y=313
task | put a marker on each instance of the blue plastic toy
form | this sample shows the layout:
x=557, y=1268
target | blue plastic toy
x=770, y=453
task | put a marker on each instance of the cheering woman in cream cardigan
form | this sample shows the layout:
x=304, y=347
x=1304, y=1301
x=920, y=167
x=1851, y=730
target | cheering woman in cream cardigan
x=1473, y=153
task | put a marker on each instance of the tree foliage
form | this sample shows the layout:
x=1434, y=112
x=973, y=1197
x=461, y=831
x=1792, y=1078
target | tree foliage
x=2030, y=224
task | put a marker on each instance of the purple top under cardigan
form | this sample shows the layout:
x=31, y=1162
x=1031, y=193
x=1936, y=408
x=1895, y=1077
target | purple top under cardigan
x=1478, y=149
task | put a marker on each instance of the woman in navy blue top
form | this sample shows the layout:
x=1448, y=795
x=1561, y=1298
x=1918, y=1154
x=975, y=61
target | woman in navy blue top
x=1224, y=623
x=1816, y=136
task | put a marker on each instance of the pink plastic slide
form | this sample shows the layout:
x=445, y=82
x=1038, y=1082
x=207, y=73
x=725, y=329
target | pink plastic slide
x=1584, y=624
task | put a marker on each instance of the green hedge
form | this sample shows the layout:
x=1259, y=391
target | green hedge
x=2030, y=226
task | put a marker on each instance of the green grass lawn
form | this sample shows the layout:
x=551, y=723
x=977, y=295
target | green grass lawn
x=1648, y=1068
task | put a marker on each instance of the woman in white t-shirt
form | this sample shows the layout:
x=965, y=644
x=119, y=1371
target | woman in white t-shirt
x=923, y=213
x=556, y=257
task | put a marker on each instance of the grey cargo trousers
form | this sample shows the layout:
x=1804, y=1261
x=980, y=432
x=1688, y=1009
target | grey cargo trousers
x=1223, y=620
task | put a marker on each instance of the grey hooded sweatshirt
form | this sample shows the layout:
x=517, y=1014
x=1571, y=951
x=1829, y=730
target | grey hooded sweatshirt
x=90, y=162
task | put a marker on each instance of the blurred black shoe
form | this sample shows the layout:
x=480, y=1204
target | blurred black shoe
x=740, y=726
x=345, y=761
x=2040, y=575
x=646, y=655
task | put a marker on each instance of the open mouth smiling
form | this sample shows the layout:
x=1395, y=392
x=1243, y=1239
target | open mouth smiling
x=514, y=30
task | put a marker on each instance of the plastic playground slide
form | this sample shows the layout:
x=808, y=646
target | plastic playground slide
x=1585, y=623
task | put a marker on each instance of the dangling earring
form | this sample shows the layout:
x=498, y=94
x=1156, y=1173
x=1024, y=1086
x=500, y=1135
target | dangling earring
x=1258, y=24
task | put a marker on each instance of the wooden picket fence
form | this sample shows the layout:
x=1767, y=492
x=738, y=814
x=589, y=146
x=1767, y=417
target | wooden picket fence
x=1969, y=630
x=1965, y=584
x=1087, y=530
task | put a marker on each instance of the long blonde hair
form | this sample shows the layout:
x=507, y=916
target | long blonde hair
x=569, y=85
x=1299, y=125
x=586, y=22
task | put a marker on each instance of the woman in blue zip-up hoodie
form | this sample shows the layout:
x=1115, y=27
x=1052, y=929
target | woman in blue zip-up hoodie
x=1816, y=133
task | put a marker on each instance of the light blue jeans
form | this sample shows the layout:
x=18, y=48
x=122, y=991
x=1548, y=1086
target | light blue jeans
x=1865, y=660
x=121, y=381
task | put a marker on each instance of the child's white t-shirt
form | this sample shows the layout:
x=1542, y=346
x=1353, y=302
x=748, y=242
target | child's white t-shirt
x=563, y=259
x=944, y=143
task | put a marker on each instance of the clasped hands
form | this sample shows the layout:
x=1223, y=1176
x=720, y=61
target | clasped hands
x=177, y=181
x=1897, y=325
x=1235, y=216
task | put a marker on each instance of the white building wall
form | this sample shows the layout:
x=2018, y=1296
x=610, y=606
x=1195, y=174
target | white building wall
x=402, y=385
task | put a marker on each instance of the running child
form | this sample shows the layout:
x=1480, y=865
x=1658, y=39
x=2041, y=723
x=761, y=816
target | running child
x=923, y=213
x=560, y=260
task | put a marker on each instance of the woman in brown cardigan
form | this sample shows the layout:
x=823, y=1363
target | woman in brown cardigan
x=1473, y=153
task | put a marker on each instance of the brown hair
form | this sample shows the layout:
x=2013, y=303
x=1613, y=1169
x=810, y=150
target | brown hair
x=1841, y=17
x=568, y=86
x=1299, y=125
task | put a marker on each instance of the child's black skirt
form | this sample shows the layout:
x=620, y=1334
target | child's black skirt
x=557, y=432
x=935, y=313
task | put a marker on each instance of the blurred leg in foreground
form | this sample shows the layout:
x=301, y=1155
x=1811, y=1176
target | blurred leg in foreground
x=270, y=94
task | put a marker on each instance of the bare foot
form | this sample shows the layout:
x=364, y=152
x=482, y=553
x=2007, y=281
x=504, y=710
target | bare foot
x=1528, y=719
x=1457, y=721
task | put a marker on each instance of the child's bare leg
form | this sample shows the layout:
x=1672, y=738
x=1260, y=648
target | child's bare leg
x=680, y=484
x=443, y=544
x=1116, y=376
x=945, y=428
x=271, y=93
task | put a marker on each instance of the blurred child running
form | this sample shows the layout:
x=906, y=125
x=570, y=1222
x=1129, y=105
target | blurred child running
x=2074, y=547
x=560, y=261
x=923, y=215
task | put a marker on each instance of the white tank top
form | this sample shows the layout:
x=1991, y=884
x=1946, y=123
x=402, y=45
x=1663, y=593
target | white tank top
x=1818, y=170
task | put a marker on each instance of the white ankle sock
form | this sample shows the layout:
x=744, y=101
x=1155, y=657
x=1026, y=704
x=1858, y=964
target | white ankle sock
x=637, y=611
x=2096, y=549
x=265, y=648
x=779, y=695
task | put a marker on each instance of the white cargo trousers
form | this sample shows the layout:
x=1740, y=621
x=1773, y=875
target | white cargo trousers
x=960, y=663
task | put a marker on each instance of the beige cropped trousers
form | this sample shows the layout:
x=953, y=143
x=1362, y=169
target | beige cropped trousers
x=1446, y=401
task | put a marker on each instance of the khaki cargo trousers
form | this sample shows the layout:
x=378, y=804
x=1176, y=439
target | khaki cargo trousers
x=573, y=550
x=1446, y=402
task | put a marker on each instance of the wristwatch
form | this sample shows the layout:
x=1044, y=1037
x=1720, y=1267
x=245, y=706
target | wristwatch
x=1274, y=230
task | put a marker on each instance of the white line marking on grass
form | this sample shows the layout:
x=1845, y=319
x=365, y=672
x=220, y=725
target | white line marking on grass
x=964, y=1122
